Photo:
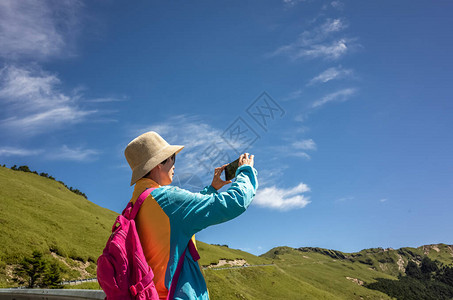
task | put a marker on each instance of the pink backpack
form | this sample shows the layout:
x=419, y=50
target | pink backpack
x=122, y=270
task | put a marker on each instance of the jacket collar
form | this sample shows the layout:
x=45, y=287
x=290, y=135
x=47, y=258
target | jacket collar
x=141, y=185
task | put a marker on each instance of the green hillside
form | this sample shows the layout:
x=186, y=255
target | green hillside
x=37, y=213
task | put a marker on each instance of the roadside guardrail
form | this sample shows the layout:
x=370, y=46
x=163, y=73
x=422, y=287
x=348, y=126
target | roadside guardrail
x=50, y=294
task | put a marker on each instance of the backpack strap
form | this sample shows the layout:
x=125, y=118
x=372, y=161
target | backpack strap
x=142, y=284
x=194, y=253
x=131, y=210
x=131, y=213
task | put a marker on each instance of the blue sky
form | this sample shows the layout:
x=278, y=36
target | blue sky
x=347, y=107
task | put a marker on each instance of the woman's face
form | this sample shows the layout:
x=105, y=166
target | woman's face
x=167, y=171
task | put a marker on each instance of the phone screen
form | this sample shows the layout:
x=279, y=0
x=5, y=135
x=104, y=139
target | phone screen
x=230, y=170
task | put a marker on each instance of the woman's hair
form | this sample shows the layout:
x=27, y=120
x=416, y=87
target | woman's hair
x=173, y=157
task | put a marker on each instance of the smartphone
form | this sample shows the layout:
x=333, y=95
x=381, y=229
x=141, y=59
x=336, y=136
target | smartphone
x=230, y=170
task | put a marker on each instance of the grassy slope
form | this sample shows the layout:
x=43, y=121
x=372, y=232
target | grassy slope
x=37, y=213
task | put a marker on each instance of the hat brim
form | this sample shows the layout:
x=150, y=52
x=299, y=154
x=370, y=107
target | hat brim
x=142, y=169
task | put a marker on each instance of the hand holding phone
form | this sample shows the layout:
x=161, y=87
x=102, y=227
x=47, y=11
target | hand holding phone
x=231, y=168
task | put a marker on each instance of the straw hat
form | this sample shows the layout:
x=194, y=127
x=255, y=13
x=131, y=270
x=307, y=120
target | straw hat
x=147, y=151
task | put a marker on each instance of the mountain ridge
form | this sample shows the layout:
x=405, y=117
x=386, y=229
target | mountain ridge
x=388, y=260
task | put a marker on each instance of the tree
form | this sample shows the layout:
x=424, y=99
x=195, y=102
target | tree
x=428, y=266
x=38, y=272
x=31, y=269
x=52, y=277
x=24, y=169
x=412, y=270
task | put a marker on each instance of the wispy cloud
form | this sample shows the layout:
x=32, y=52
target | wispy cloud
x=341, y=95
x=332, y=50
x=74, y=154
x=14, y=151
x=63, y=153
x=283, y=199
x=337, y=4
x=296, y=148
x=319, y=42
x=305, y=145
x=300, y=154
x=33, y=103
x=345, y=199
x=299, y=148
x=291, y=3
x=331, y=74
x=106, y=99
x=36, y=29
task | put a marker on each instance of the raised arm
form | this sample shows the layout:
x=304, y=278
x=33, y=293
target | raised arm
x=196, y=211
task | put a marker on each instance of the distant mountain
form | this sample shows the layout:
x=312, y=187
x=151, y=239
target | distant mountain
x=37, y=213
x=389, y=261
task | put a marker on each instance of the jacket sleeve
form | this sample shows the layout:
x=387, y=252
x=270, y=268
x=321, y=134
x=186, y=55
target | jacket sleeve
x=196, y=211
x=208, y=190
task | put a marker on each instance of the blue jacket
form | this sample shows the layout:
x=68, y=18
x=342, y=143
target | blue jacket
x=171, y=216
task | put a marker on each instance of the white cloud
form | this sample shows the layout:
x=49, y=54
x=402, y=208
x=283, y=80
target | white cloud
x=36, y=29
x=11, y=151
x=63, y=153
x=318, y=42
x=106, y=99
x=331, y=74
x=74, y=154
x=293, y=148
x=341, y=95
x=305, y=145
x=300, y=154
x=383, y=200
x=291, y=3
x=32, y=102
x=282, y=199
x=334, y=25
x=344, y=199
x=333, y=51
x=300, y=118
x=337, y=4
x=294, y=95
x=297, y=146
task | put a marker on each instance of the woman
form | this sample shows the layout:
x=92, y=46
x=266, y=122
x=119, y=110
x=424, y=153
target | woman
x=170, y=216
